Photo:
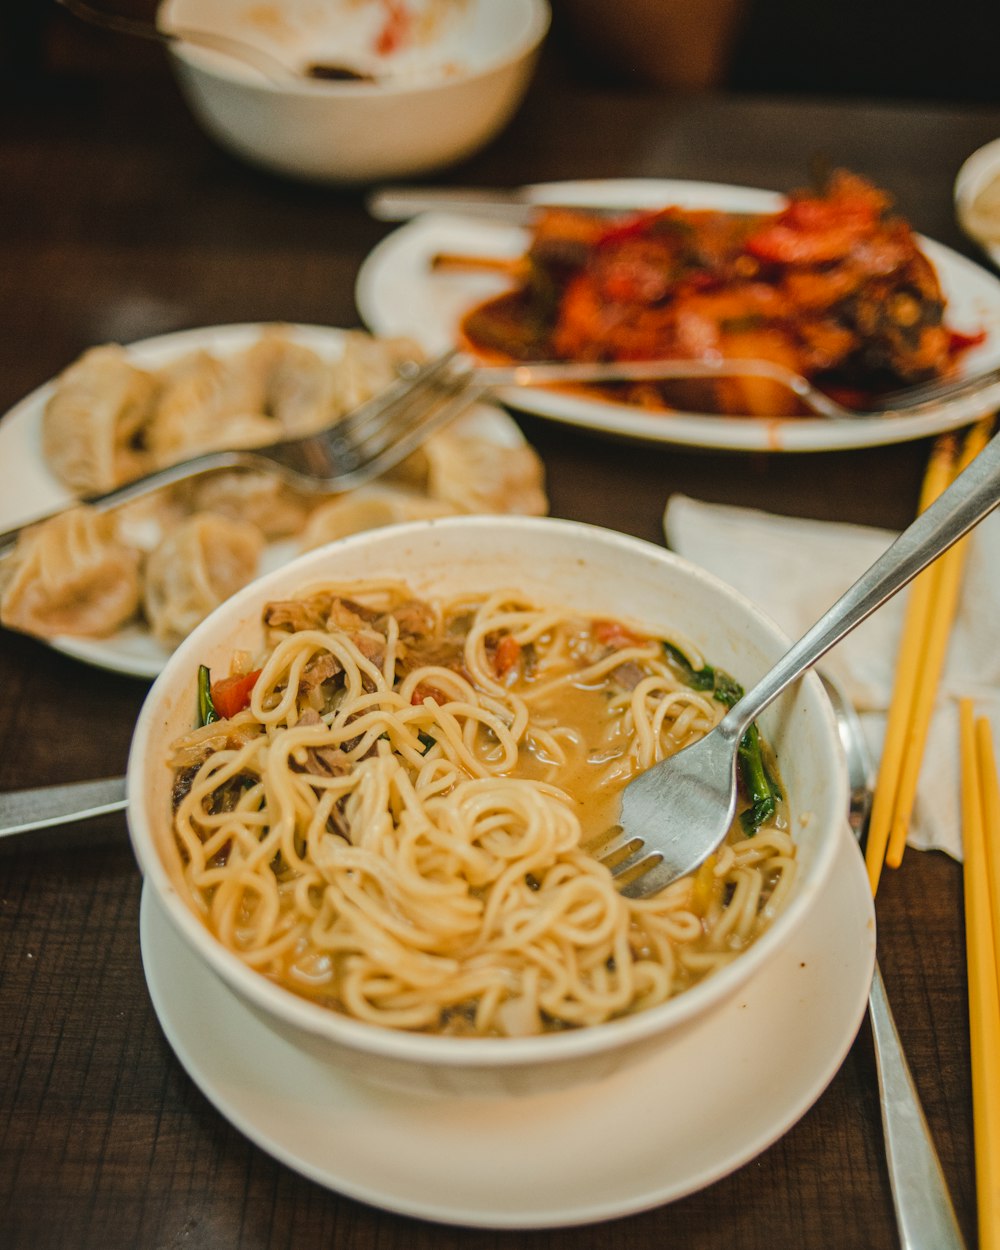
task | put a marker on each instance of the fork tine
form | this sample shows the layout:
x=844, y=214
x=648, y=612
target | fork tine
x=611, y=845
x=395, y=420
x=628, y=872
x=627, y=858
x=978, y=386
x=638, y=855
x=643, y=878
x=411, y=428
x=413, y=381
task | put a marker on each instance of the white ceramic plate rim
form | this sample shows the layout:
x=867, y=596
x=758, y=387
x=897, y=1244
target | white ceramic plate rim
x=28, y=488
x=802, y=1011
x=396, y=293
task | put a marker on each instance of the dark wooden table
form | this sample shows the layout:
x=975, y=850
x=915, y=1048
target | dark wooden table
x=119, y=220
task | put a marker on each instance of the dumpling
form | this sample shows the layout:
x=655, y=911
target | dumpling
x=70, y=575
x=277, y=510
x=144, y=522
x=368, y=365
x=367, y=510
x=93, y=426
x=206, y=403
x=199, y=564
x=303, y=392
x=475, y=475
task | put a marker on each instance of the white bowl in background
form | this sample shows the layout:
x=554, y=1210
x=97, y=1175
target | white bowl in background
x=977, y=198
x=434, y=101
x=562, y=562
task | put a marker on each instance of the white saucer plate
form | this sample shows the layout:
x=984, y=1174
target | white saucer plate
x=699, y=1109
x=398, y=292
x=29, y=488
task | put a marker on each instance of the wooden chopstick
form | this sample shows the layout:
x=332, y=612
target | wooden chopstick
x=930, y=613
x=947, y=585
x=990, y=792
x=980, y=834
x=512, y=266
x=940, y=469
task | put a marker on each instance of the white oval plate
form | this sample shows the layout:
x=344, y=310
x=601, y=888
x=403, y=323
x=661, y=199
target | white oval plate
x=397, y=293
x=692, y=1113
x=29, y=489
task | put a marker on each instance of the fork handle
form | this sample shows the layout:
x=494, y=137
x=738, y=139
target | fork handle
x=925, y=1216
x=972, y=496
x=22, y=811
x=183, y=471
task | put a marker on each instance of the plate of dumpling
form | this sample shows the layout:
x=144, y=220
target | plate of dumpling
x=121, y=589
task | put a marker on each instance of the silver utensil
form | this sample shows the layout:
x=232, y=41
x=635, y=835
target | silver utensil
x=248, y=53
x=381, y=433
x=674, y=815
x=23, y=811
x=362, y=445
x=963, y=398
x=516, y=205
x=925, y=1216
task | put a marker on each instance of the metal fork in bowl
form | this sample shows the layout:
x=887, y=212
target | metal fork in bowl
x=675, y=814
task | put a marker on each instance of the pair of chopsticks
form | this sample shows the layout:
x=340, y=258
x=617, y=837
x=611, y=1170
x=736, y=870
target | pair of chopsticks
x=930, y=612
x=981, y=845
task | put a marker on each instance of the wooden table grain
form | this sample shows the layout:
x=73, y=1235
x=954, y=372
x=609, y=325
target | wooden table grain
x=119, y=219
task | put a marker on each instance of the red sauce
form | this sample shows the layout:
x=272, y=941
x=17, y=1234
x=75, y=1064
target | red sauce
x=834, y=287
x=396, y=28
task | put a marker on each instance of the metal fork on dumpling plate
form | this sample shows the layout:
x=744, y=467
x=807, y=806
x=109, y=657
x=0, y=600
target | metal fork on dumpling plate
x=362, y=445
x=382, y=432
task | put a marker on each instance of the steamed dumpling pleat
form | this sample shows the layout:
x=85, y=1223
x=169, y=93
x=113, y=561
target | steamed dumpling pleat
x=207, y=403
x=475, y=475
x=367, y=510
x=143, y=523
x=302, y=388
x=70, y=575
x=277, y=510
x=93, y=426
x=198, y=565
x=368, y=365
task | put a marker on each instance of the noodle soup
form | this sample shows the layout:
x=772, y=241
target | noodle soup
x=388, y=812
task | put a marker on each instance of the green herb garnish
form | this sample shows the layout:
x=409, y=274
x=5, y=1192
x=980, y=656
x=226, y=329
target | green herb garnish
x=206, y=708
x=757, y=783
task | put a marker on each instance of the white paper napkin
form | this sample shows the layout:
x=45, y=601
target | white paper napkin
x=794, y=569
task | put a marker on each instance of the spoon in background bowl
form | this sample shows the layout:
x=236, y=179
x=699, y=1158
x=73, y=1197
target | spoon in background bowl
x=266, y=63
x=925, y=1215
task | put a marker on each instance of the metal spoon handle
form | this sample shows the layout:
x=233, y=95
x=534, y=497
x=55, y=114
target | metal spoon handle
x=924, y=1213
x=973, y=494
x=249, y=54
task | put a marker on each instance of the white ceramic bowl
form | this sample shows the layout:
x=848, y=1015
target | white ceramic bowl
x=977, y=194
x=593, y=570
x=434, y=101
